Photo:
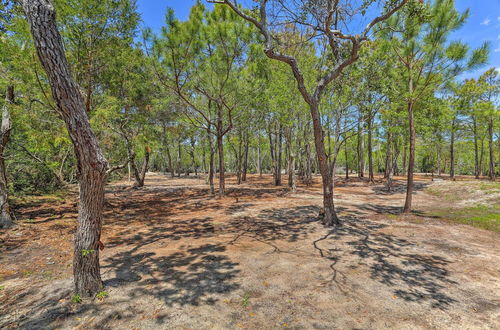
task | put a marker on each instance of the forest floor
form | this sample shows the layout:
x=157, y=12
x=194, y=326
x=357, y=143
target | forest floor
x=259, y=258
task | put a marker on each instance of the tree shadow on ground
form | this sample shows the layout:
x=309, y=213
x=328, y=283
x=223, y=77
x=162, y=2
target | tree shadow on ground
x=287, y=224
x=173, y=230
x=392, y=261
x=398, y=187
x=193, y=276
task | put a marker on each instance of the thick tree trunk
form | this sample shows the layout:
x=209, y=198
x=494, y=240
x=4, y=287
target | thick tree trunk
x=6, y=216
x=330, y=216
x=411, y=159
x=140, y=176
x=92, y=165
x=492, y=155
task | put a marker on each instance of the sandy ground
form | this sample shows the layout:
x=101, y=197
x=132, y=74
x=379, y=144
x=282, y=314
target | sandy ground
x=258, y=259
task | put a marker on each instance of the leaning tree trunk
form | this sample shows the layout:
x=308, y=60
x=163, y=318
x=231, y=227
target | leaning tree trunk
x=6, y=216
x=411, y=159
x=140, y=177
x=330, y=217
x=91, y=163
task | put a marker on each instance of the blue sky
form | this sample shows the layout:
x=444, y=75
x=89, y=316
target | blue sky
x=482, y=25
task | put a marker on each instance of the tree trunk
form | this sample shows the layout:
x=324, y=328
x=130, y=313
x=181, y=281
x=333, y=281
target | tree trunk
x=346, y=161
x=361, y=149
x=452, y=150
x=405, y=168
x=371, y=177
x=220, y=146
x=245, y=158
x=279, y=151
x=91, y=163
x=389, y=163
x=291, y=162
x=411, y=158
x=476, y=151
x=387, y=155
x=259, y=158
x=330, y=217
x=179, y=157
x=492, y=156
x=6, y=216
x=169, y=155
x=481, y=157
x=211, y=169
x=142, y=175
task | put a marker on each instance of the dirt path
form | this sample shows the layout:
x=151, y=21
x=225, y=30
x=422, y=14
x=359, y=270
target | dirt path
x=257, y=259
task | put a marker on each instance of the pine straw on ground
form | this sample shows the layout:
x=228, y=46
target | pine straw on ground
x=258, y=258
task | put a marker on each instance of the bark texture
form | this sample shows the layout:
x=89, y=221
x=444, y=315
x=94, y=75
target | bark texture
x=91, y=163
x=411, y=158
x=6, y=216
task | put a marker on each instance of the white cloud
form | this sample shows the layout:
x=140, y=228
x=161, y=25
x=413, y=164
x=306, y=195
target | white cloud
x=497, y=50
x=486, y=21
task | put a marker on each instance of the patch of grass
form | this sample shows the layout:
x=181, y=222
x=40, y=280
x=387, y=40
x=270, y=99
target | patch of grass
x=47, y=275
x=489, y=187
x=447, y=194
x=481, y=216
x=76, y=299
x=245, y=302
x=30, y=220
x=2, y=287
x=27, y=273
x=101, y=295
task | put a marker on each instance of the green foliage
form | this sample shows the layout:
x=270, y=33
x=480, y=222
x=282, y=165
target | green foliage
x=76, y=299
x=169, y=90
x=245, y=301
x=86, y=252
x=102, y=295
